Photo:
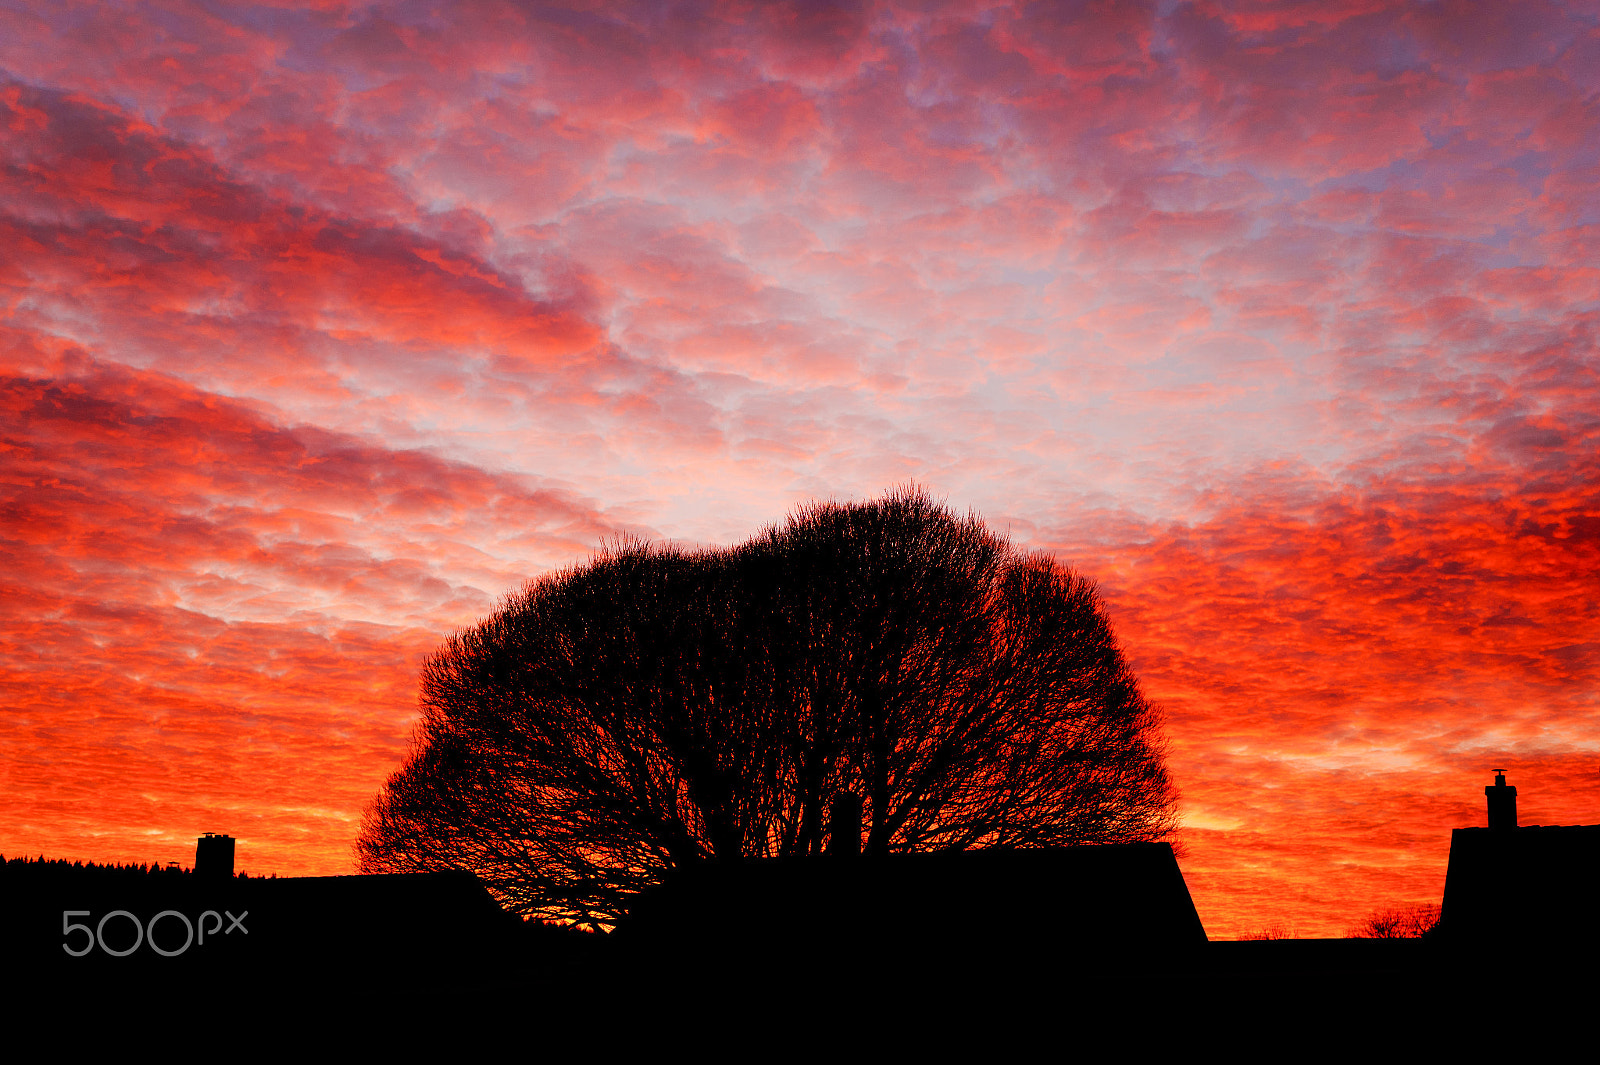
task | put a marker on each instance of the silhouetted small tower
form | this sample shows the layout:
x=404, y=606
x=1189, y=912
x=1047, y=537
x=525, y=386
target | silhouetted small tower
x=844, y=826
x=1502, y=803
x=213, y=857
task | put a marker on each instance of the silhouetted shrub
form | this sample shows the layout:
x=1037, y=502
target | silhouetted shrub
x=1271, y=932
x=1404, y=922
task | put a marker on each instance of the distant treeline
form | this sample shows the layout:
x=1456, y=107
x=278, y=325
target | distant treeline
x=42, y=868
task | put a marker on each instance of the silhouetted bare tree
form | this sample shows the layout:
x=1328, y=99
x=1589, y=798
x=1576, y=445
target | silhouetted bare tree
x=1276, y=930
x=658, y=707
x=1402, y=922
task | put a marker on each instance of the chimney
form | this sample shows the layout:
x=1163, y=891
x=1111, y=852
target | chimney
x=844, y=826
x=1502, y=803
x=213, y=857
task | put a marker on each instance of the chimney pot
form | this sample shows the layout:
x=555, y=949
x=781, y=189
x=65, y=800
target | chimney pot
x=1502, y=803
x=213, y=857
x=844, y=826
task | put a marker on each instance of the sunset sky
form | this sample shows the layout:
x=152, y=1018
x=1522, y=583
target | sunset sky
x=325, y=325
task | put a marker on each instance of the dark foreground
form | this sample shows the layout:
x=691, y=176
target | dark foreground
x=757, y=959
x=551, y=994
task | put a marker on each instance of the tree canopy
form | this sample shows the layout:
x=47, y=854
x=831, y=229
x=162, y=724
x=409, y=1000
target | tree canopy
x=660, y=706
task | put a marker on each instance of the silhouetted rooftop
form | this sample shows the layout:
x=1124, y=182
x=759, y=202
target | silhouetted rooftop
x=1531, y=887
x=927, y=908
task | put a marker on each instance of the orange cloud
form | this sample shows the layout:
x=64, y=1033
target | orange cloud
x=214, y=619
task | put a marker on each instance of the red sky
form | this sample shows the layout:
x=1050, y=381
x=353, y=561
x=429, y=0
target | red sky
x=324, y=325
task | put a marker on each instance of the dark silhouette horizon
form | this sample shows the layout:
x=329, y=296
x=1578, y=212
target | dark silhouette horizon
x=1094, y=923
